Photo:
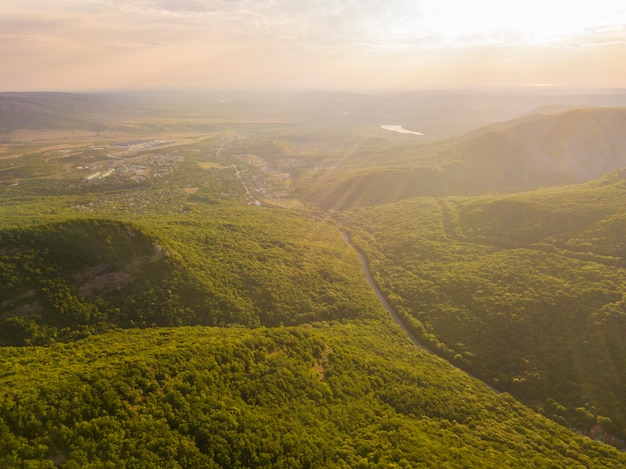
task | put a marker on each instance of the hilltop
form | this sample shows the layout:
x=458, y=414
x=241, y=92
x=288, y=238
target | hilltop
x=250, y=268
x=571, y=146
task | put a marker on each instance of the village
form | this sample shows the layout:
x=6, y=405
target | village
x=136, y=168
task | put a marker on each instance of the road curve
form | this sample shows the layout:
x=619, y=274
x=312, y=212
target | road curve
x=381, y=298
x=392, y=313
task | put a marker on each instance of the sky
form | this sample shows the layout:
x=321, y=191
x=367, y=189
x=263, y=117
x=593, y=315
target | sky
x=351, y=45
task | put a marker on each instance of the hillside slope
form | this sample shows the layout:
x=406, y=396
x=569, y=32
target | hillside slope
x=244, y=266
x=532, y=152
x=577, y=145
x=336, y=396
x=527, y=291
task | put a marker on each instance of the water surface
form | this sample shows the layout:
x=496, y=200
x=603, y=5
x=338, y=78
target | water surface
x=399, y=129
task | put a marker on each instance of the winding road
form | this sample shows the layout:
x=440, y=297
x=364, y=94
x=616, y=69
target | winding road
x=392, y=313
x=381, y=298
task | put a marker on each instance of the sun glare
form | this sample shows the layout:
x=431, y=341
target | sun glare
x=485, y=22
x=329, y=43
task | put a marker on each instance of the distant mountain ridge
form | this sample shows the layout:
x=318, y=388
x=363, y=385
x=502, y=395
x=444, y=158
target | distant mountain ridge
x=50, y=110
x=554, y=109
x=577, y=145
x=527, y=153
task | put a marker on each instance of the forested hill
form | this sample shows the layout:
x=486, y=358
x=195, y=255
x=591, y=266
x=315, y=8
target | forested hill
x=578, y=145
x=180, y=299
x=333, y=395
x=53, y=111
x=526, y=291
x=246, y=267
x=528, y=153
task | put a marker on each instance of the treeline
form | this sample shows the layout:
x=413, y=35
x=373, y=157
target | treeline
x=334, y=395
x=546, y=327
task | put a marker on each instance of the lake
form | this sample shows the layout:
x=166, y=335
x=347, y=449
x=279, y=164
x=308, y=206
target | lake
x=399, y=129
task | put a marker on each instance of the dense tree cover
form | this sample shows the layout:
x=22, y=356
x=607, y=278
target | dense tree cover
x=584, y=219
x=536, y=310
x=335, y=395
x=245, y=266
x=539, y=321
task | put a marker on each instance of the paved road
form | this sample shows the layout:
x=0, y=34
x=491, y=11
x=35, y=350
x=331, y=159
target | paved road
x=251, y=199
x=390, y=310
x=383, y=300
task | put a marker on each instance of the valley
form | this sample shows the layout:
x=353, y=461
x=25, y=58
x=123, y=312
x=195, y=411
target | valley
x=381, y=297
x=207, y=282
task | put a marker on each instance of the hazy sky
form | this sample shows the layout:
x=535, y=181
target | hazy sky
x=317, y=44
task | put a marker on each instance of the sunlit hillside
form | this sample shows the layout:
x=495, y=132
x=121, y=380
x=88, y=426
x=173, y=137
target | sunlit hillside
x=526, y=291
x=281, y=279
x=527, y=153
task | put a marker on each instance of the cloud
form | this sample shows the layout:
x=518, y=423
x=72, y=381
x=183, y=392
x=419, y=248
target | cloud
x=601, y=37
x=295, y=41
x=317, y=22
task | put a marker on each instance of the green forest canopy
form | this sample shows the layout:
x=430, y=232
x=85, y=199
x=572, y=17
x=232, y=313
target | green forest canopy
x=525, y=291
x=357, y=394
